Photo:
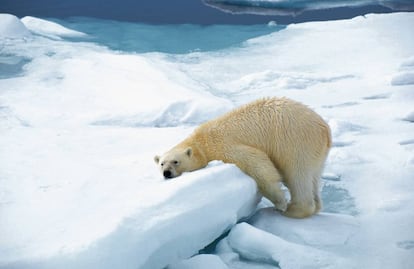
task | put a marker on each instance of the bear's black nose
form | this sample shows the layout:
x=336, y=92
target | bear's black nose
x=167, y=174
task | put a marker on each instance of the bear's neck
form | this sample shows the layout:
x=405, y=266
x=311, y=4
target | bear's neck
x=197, y=149
x=207, y=143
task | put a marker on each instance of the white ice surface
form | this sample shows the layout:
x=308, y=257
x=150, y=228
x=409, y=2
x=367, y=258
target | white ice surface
x=159, y=224
x=325, y=230
x=257, y=245
x=80, y=124
x=405, y=76
x=48, y=28
x=87, y=84
x=203, y=261
x=12, y=27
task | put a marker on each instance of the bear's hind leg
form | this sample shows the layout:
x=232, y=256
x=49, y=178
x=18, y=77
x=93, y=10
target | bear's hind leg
x=257, y=164
x=303, y=203
x=316, y=193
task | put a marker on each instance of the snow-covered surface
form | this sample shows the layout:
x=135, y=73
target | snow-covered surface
x=48, y=28
x=162, y=225
x=256, y=245
x=80, y=124
x=405, y=74
x=202, y=261
x=12, y=27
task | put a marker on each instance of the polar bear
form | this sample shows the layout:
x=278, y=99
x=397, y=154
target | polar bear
x=272, y=140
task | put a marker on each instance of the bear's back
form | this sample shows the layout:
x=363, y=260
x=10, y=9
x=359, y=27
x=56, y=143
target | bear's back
x=278, y=126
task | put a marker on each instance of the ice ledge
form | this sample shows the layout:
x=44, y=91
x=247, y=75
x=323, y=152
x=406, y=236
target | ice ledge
x=195, y=209
x=49, y=29
x=12, y=27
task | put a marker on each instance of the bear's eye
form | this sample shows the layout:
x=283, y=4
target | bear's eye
x=162, y=164
x=176, y=162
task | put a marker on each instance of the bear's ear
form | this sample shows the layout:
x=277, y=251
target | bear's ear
x=189, y=152
x=156, y=159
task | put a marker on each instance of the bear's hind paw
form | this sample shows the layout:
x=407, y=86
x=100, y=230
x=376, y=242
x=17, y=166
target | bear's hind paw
x=299, y=212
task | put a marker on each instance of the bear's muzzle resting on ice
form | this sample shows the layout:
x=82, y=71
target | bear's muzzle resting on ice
x=273, y=140
x=172, y=166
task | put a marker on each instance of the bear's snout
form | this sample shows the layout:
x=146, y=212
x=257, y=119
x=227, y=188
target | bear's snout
x=167, y=174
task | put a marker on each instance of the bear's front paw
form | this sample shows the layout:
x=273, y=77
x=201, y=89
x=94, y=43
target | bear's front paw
x=281, y=204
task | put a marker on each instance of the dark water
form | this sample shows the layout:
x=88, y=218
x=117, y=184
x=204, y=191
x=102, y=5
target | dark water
x=165, y=11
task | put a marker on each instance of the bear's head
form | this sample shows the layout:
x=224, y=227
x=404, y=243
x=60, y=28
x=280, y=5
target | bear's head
x=177, y=161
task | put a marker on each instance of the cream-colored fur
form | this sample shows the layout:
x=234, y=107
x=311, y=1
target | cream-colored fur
x=273, y=140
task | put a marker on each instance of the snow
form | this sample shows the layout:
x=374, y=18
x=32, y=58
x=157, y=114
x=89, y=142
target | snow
x=405, y=76
x=203, y=261
x=325, y=230
x=80, y=124
x=257, y=245
x=115, y=242
x=410, y=117
x=49, y=29
x=12, y=27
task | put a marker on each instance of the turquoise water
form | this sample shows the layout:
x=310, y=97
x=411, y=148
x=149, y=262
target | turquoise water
x=168, y=38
